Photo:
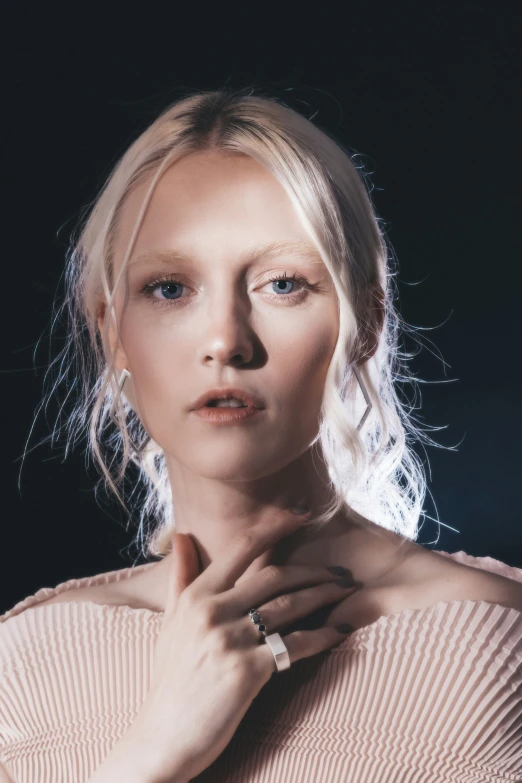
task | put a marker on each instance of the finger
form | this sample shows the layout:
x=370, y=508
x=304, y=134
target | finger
x=304, y=644
x=273, y=581
x=222, y=574
x=184, y=569
x=290, y=607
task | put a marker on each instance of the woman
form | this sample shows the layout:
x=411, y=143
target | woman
x=240, y=334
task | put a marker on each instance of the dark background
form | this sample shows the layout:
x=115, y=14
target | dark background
x=429, y=96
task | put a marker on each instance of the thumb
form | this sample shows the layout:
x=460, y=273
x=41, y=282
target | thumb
x=184, y=568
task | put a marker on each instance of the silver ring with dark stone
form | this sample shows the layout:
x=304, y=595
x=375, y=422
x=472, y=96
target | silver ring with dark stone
x=258, y=621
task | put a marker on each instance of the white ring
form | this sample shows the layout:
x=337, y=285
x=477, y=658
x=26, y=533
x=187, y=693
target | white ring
x=279, y=651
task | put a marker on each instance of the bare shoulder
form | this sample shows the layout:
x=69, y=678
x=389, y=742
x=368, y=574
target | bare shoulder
x=429, y=578
x=422, y=580
x=131, y=591
x=99, y=594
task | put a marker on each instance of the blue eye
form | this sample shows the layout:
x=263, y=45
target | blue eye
x=170, y=284
x=166, y=283
x=284, y=279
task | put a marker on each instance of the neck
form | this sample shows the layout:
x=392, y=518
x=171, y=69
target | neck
x=213, y=517
x=214, y=510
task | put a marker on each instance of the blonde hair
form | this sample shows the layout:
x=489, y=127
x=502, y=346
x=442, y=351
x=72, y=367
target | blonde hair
x=374, y=472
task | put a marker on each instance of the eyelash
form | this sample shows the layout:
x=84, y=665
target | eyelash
x=148, y=289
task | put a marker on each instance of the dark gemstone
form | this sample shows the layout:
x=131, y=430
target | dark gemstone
x=251, y=611
x=261, y=627
x=256, y=618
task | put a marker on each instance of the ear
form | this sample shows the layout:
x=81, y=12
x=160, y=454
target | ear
x=120, y=359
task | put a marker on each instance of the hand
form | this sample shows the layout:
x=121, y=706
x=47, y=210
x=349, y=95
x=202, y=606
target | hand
x=209, y=664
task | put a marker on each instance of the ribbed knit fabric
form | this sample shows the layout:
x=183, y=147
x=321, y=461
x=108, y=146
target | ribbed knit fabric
x=422, y=696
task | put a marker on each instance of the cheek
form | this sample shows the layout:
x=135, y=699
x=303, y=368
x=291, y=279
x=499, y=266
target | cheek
x=300, y=363
x=156, y=358
x=162, y=356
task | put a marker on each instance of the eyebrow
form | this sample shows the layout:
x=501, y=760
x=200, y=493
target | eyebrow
x=272, y=249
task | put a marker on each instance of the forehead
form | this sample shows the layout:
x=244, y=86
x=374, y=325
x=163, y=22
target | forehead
x=230, y=204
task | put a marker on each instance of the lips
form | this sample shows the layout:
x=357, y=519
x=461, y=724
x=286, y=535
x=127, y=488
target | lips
x=233, y=403
x=212, y=395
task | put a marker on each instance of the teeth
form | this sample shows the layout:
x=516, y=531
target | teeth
x=232, y=403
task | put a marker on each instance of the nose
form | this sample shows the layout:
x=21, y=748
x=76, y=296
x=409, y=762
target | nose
x=228, y=337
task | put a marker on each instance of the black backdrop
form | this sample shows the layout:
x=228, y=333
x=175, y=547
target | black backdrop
x=429, y=96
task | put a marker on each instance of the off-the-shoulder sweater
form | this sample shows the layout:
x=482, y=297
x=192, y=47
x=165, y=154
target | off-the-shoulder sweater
x=428, y=695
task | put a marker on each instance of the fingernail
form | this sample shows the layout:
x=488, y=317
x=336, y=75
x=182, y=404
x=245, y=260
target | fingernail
x=337, y=570
x=345, y=581
x=344, y=628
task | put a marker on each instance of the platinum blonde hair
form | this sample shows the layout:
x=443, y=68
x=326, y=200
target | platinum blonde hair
x=374, y=472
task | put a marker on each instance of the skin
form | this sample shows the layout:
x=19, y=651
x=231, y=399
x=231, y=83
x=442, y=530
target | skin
x=228, y=330
x=232, y=329
x=228, y=325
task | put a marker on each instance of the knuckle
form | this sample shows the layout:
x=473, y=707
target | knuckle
x=221, y=641
x=186, y=602
x=284, y=602
x=244, y=540
x=272, y=573
x=208, y=613
x=186, y=597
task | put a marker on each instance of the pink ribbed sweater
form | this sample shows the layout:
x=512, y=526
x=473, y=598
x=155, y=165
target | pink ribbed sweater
x=422, y=696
